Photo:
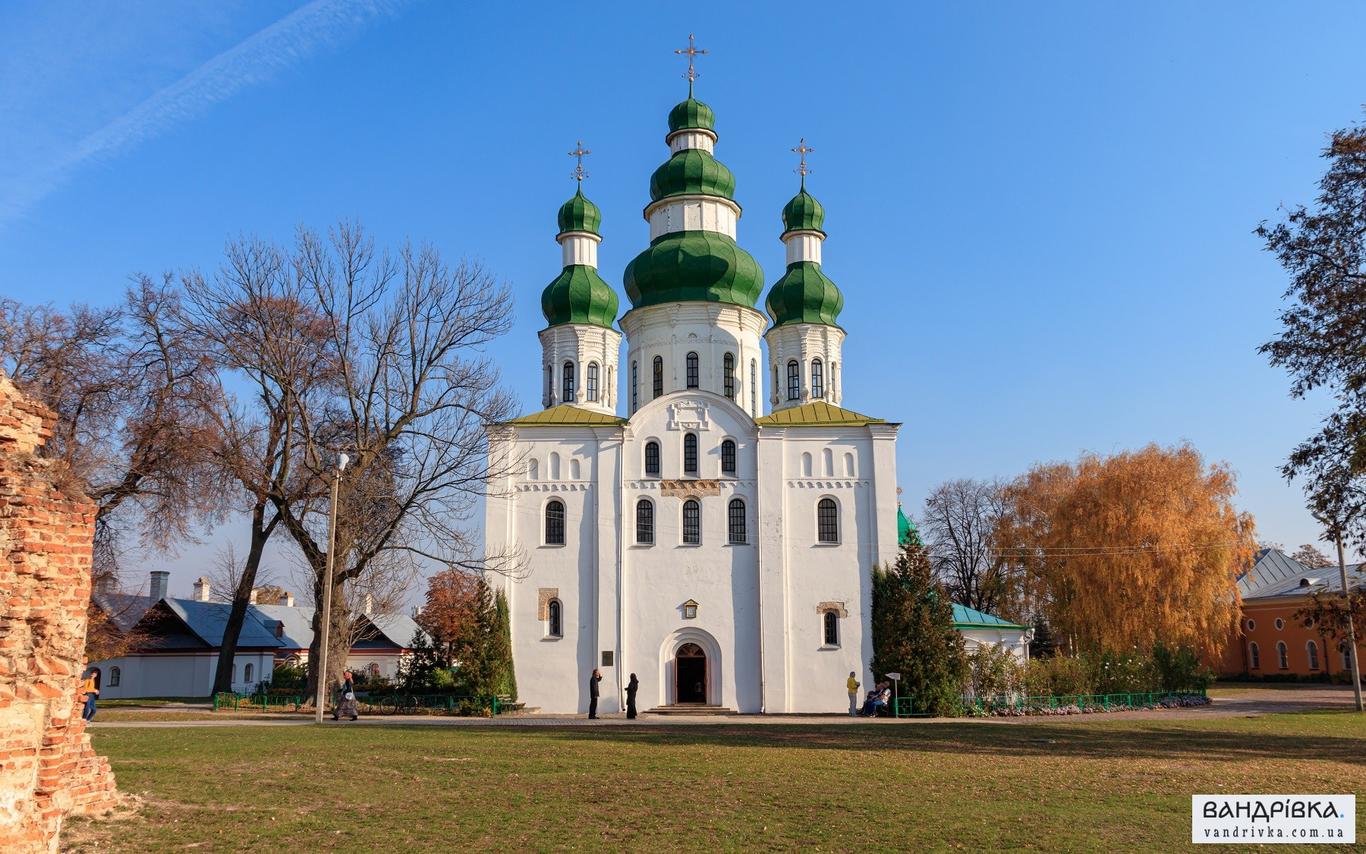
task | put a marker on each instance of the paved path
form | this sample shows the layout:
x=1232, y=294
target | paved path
x=1229, y=702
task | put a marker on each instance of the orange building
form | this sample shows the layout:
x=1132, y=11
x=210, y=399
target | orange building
x=1269, y=640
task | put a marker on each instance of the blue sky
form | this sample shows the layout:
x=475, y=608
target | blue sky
x=1040, y=214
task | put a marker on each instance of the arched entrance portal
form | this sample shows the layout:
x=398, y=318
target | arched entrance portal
x=690, y=673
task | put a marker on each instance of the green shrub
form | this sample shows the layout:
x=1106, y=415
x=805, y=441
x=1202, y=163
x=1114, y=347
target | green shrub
x=1180, y=669
x=289, y=677
x=1122, y=673
x=993, y=670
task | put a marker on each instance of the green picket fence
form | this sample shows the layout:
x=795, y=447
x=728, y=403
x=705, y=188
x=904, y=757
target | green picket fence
x=264, y=702
x=397, y=704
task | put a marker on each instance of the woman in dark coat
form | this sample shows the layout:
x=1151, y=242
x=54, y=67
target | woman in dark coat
x=346, y=699
x=631, y=688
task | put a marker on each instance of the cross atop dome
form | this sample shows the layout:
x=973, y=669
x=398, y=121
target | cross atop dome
x=579, y=151
x=692, y=51
x=802, y=150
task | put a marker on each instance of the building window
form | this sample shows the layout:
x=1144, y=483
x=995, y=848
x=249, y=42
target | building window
x=592, y=382
x=652, y=459
x=830, y=624
x=690, y=454
x=645, y=522
x=737, y=528
x=549, y=384
x=554, y=619
x=817, y=378
x=690, y=610
x=635, y=385
x=247, y=673
x=554, y=523
x=1251, y=624
x=827, y=521
x=794, y=380
x=1254, y=656
x=1345, y=653
x=568, y=382
x=692, y=370
x=1313, y=650
x=1280, y=624
x=728, y=367
x=728, y=457
x=116, y=674
x=1282, y=655
x=753, y=387
x=692, y=522
x=658, y=376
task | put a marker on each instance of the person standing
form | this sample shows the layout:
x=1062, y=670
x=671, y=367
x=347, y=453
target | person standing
x=593, y=694
x=90, y=689
x=852, y=685
x=346, y=699
x=631, y=688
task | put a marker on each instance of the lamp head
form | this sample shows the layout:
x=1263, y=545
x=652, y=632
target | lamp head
x=342, y=460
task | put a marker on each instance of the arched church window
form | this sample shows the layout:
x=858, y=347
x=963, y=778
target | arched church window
x=635, y=385
x=554, y=466
x=554, y=523
x=828, y=458
x=554, y=619
x=1254, y=655
x=549, y=384
x=753, y=388
x=806, y=465
x=817, y=378
x=692, y=522
x=116, y=674
x=645, y=522
x=574, y=468
x=1283, y=655
x=533, y=469
x=247, y=672
x=592, y=382
x=830, y=628
x=728, y=367
x=728, y=457
x=848, y=465
x=794, y=380
x=652, y=459
x=658, y=376
x=568, y=382
x=827, y=521
x=1312, y=649
x=692, y=370
x=690, y=454
x=737, y=527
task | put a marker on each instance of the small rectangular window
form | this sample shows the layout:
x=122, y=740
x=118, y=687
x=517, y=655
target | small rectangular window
x=607, y=658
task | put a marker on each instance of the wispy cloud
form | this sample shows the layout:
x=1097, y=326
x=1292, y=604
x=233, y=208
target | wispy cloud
x=286, y=42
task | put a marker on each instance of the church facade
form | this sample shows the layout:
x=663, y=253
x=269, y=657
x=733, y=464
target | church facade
x=714, y=530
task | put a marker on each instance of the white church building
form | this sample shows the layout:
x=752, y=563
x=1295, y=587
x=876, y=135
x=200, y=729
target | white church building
x=715, y=530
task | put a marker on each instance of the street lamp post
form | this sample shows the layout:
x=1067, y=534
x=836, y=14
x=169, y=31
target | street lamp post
x=326, y=617
x=1351, y=628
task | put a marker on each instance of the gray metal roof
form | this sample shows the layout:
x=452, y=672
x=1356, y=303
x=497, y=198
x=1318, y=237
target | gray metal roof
x=1277, y=574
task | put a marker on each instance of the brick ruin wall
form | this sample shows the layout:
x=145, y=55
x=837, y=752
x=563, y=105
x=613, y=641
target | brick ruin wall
x=48, y=770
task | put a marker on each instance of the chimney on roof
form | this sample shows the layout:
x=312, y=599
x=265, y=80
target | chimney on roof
x=201, y=589
x=255, y=591
x=279, y=628
x=160, y=577
x=289, y=601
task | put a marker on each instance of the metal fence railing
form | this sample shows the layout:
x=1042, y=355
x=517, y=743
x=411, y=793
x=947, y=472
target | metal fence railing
x=386, y=704
x=1025, y=704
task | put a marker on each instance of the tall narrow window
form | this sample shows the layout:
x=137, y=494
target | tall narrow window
x=1254, y=655
x=549, y=384
x=1345, y=653
x=635, y=385
x=591, y=383
x=728, y=366
x=247, y=672
x=690, y=454
x=692, y=370
x=658, y=376
x=737, y=528
x=827, y=521
x=1283, y=655
x=794, y=380
x=753, y=388
x=116, y=675
x=568, y=382
x=692, y=522
x=652, y=459
x=554, y=619
x=817, y=379
x=1313, y=650
x=831, y=628
x=645, y=522
x=554, y=523
x=728, y=457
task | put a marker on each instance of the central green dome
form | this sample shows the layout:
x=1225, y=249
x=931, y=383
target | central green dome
x=692, y=171
x=691, y=114
x=694, y=265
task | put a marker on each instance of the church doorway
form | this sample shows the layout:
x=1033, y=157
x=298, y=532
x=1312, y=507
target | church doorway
x=690, y=669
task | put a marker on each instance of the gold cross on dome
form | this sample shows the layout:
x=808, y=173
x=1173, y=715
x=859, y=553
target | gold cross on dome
x=802, y=150
x=692, y=52
x=579, y=151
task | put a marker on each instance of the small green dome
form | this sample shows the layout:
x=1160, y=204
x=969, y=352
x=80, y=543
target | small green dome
x=579, y=214
x=803, y=212
x=684, y=266
x=692, y=114
x=692, y=171
x=579, y=295
x=804, y=295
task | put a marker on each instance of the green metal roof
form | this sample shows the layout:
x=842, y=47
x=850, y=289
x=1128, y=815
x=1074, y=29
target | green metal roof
x=970, y=618
x=567, y=414
x=579, y=214
x=692, y=171
x=803, y=212
x=804, y=294
x=816, y=414
x=579, y=295
x=691, y=114
x=684, y=266
x=906, y=530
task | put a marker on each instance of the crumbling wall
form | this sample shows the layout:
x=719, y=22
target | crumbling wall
x=48, y=769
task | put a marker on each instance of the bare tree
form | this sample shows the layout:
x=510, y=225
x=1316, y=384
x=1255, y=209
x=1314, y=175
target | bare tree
x=1310, y=555
x=959, y=527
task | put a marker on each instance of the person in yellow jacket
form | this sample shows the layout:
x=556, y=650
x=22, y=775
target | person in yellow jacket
x=90, y=689
x=853, y=694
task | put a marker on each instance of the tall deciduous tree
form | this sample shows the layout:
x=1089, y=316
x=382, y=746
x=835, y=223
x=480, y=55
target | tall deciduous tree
x=1131, y=550
x=959, y=527
x=452, y=600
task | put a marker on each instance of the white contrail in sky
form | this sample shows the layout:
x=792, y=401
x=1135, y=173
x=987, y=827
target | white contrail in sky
x=256, y=59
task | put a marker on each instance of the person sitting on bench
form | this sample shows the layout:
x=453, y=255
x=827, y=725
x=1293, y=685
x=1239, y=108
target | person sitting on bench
x=877, y=700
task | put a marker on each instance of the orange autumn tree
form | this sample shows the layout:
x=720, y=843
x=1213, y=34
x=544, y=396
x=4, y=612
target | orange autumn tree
x=452, y=603
x=1128, y=551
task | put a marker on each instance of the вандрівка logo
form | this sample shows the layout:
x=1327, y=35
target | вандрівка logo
x=1262, y=819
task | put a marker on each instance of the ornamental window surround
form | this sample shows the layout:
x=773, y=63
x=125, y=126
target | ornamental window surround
x=830, y=628
x=692, y=522
x=737, y=523
x=652, y=458
x=690, y=454
x=591, y=382
x=645, y=522
x=692, y=370
x=568, y=387
x=817, y=378
x=554, y=619
x=827, y=521
x=794, y=380
x=554, y=523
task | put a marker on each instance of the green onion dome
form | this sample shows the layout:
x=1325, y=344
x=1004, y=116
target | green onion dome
x=692, y=171
x=692, y=114
x=803, y=213
x=579, y=295
x=694, y=265
x=804, y=294
x=579, y=214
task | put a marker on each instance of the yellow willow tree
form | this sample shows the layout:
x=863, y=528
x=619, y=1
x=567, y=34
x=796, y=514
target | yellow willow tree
x=1131, y=550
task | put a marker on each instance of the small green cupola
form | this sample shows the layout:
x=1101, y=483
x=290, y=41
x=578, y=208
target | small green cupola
x=580, y=214
x=803, y=213
x=692, y=114
x=579, y=294
x=804, y=294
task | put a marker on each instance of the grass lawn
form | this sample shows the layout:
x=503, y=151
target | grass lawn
x=1045, y=786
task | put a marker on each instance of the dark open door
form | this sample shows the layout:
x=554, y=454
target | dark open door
x=690, y=666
